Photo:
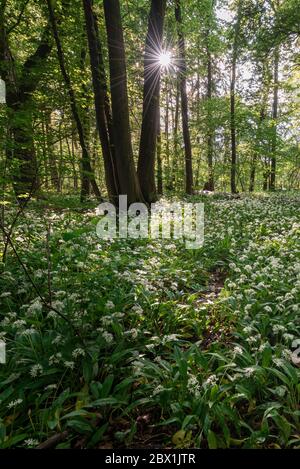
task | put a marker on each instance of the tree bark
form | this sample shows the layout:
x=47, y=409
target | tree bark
x=54, y=176
x=260, y=131
x=210, y=186
x=166, y=134
x=159, y=159
x=184, y=102
x=274, y=117
x=127, y=177
x=152, y=72
x=101, y=101
x=232, y=99
x=174, y=168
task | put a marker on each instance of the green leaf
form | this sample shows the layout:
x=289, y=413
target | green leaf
x=212, y=440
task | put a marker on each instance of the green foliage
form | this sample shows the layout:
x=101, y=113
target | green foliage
x=143, y=337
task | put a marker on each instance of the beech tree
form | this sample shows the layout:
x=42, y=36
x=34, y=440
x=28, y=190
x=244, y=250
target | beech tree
x=127, y=177
x=148, y=141
x=235, y=49
x=101, y=101
x=275, y=117
x=184, y=102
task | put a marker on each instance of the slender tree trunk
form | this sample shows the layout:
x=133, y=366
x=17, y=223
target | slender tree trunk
x=175, y=139
x=275, y=117
x=55, y=183
x=167, y=143
x=159, y=159
x=198, y=118
x=101, y=101
x=232, y=100
x=260, y=130
x=44, y=152
x=184, y=102
x=252, y=173
x=127, y=178
x=210, y=186
x=152, y=72
x=266, y=175
x=85, y=119
x=86, y=168
x=72, y=160
x=61, y=166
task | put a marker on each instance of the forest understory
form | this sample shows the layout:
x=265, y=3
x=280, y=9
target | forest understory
x=114, y=341
x=144, y=343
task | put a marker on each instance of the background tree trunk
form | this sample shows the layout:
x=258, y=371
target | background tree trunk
x=175, y=157
x=152, y=72
x=259, y=148
x=54, y=176
x=232, y=99
x=210, y=186
x=159, y=159
x=101, y=101
x=127, y=178
x=274, y=117
x=184, y=102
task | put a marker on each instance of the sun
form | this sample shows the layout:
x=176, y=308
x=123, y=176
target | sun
x=165, y=59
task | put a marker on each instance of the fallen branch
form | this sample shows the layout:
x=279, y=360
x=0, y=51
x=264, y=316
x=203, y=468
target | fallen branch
x=53, y=441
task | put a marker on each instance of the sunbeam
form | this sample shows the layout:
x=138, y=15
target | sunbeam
x=165, y=59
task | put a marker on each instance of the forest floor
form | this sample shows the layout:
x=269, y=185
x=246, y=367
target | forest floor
x=147, y=343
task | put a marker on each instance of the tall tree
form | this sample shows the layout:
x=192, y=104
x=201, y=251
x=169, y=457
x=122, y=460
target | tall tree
x=176, y=117
x=259, y=147
x=235, y=50
x=274, y=117
x=210, y=185
x=210, y=138
x=184, y=101
x=159, y=159
x=54, y=174
x=152, y=72
x=127, y=177
x=101, y=100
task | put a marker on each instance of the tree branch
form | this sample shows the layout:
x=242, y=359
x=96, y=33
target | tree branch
x=14, y=26
x=31, y=72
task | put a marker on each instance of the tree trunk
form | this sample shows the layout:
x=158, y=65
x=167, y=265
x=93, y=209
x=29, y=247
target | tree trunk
x=232, y=99
x=71, y=157
x=174, y=168
x=210, y=186
x=101, y=101
x=54, y=176
x=260, y=131
x=167, y=149
x=85, y=119
x=87, y=172
x=274, y=117
x=152, y=72
x=159, y=160
x=127, y=178
x=184, y=102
